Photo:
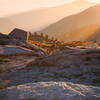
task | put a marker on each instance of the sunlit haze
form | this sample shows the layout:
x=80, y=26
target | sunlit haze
x=14, y=6
x=8, y=7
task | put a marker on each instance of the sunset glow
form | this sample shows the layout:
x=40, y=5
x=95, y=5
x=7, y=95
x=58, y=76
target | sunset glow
x=25, y=5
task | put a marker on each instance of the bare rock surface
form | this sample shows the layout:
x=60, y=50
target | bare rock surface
x=71, y=74
x=73, y=66
x=51, y=91
x=12, y=49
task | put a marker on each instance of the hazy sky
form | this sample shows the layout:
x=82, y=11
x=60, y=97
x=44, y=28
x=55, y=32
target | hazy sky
x=97, y=1
x=8, y=7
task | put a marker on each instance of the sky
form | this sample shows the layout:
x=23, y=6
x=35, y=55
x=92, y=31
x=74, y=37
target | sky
x=8, y=7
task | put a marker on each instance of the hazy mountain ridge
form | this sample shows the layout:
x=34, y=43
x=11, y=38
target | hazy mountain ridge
x=38, y=19
x=81, y=34
x=32, y=20
x=83, y=19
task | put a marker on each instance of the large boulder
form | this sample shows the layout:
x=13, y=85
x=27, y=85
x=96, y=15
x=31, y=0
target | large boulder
x=18, y=34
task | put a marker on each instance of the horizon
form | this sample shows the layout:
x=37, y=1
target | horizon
x=6, y=6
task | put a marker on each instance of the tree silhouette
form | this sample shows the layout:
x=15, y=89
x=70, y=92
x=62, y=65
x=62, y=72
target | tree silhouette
x=35, y=33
